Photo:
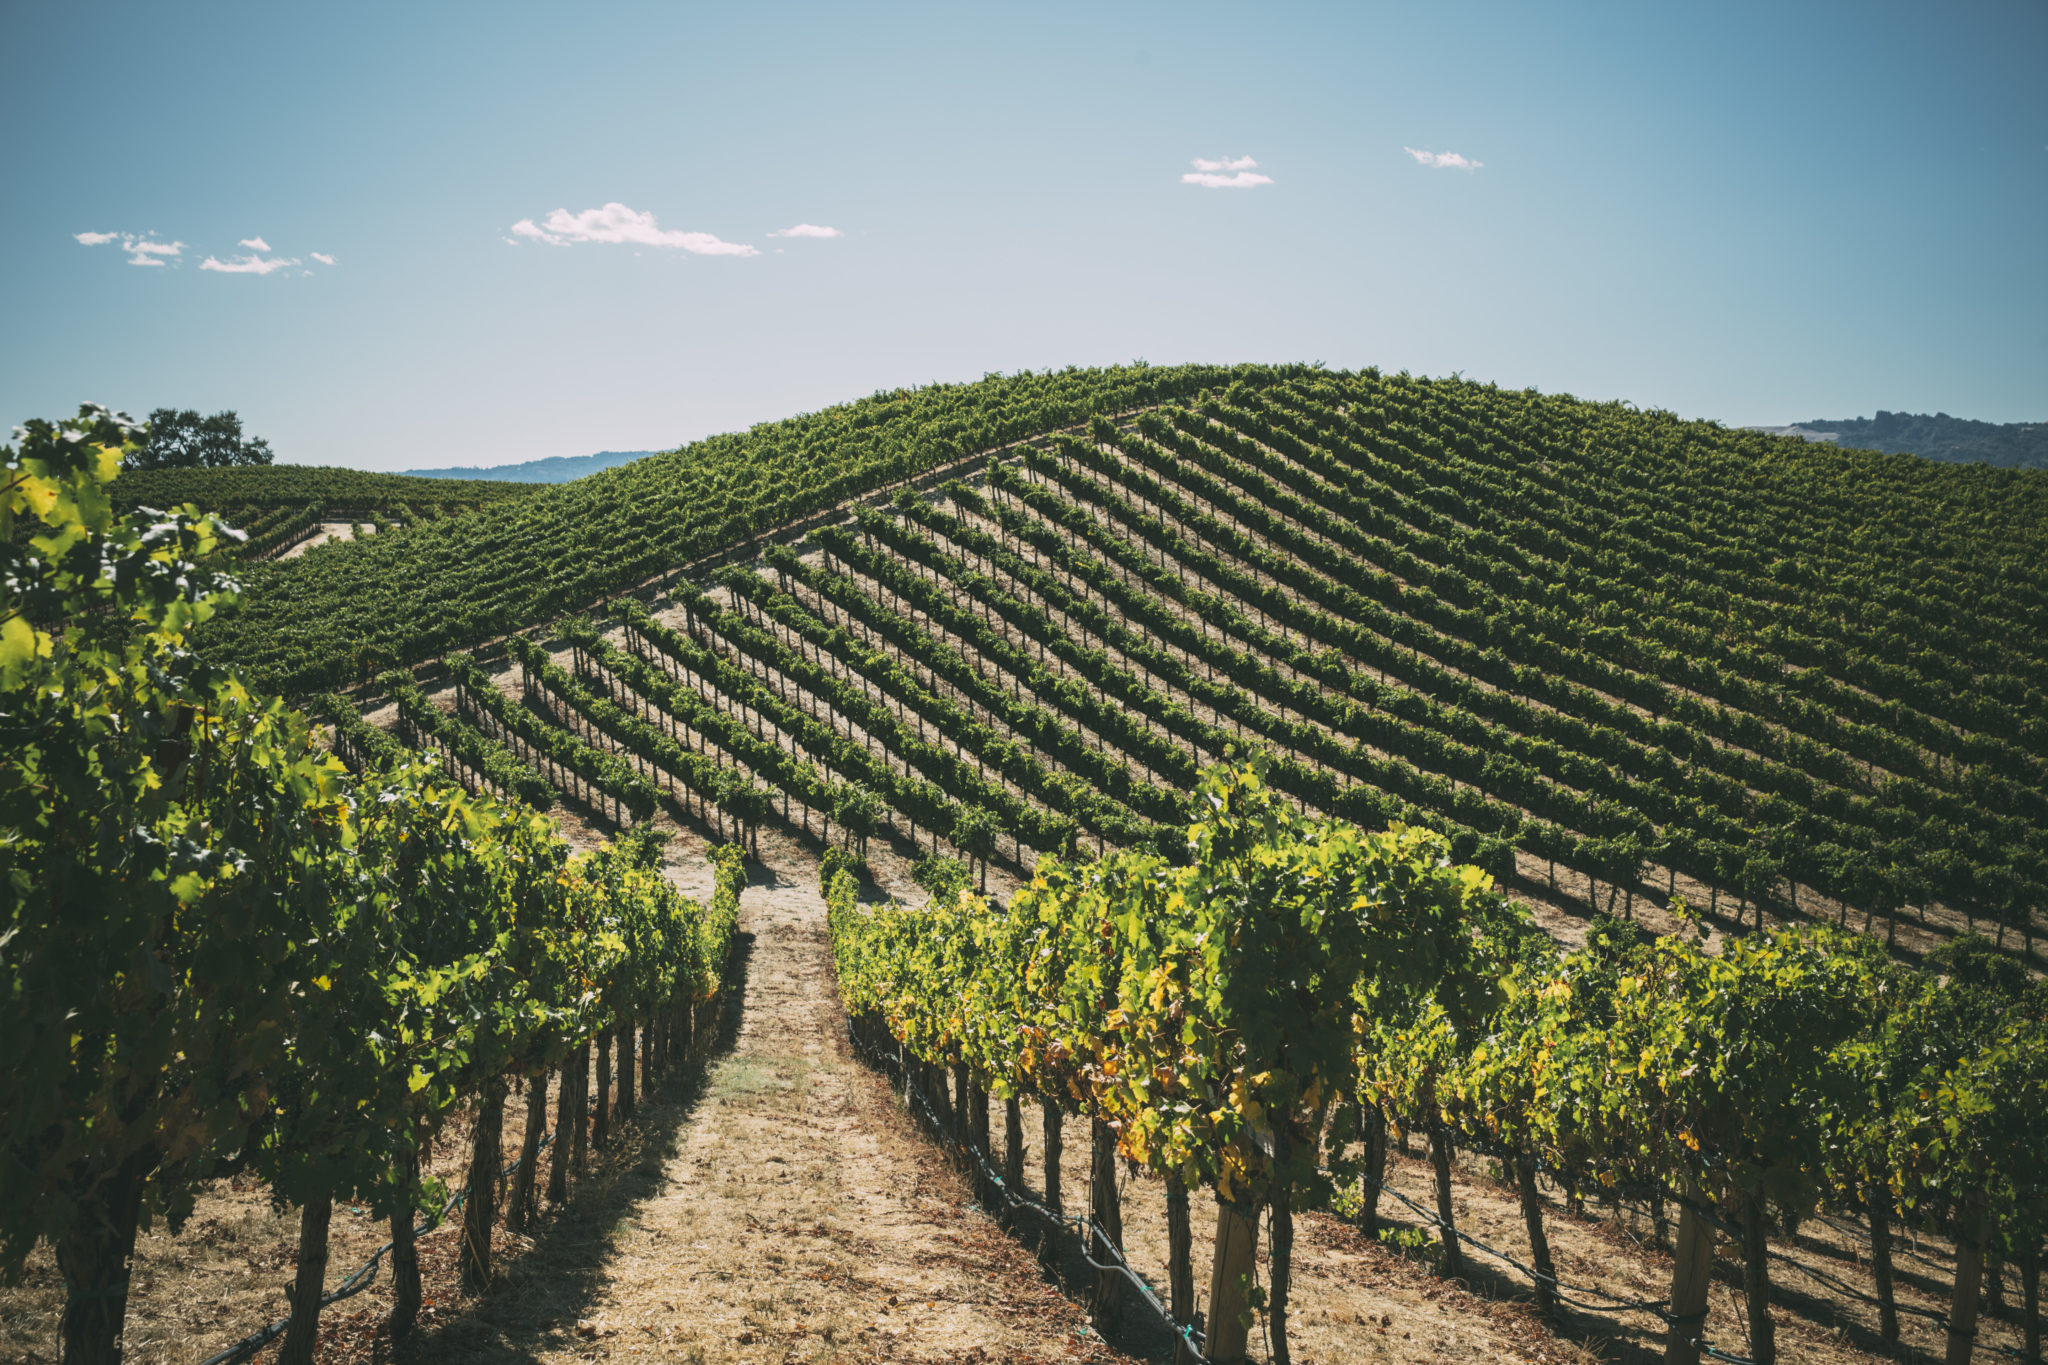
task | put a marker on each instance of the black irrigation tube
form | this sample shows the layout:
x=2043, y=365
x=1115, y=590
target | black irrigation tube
x=362, y=1279
x=1933, y=1315
x=1849, y=1229
x=1014, y=1200
x=1616, y=1305
x=1564, y=1291
x=1622, y=1194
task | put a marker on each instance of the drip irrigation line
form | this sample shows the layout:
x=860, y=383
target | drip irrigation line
x=1851, y=1230
x=1841, y=1288
x=1563, y=1290
x=1091, y=1232
x=362, y=1279
x=1014, y=1201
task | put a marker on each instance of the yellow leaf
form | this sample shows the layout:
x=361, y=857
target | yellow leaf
x=20, y=645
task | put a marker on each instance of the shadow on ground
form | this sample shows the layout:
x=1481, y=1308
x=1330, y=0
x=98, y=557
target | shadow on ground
x=542, y=1295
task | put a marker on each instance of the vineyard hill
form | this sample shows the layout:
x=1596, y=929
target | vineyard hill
x=1599, y=647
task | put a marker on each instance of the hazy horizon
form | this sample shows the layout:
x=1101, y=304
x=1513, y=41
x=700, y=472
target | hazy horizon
x=393, y=238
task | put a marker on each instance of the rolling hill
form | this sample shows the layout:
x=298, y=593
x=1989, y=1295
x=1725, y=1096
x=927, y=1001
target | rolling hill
x=1613, y=655
x=1666, y=682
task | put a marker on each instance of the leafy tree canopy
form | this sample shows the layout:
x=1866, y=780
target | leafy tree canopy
x=185, y=440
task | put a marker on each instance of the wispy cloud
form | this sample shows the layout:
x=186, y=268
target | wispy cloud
x=148, y=252
x=254, y=244
x=808, y=230
x=143, y=250
x=1444, y=160
x=321, y=257
x=619, y=224
x=254, y=264
x=1210, y=174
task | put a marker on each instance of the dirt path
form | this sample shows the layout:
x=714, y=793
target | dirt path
x=791, y=1215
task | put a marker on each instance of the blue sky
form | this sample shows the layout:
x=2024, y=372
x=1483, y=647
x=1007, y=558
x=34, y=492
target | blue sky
x=1754, y=213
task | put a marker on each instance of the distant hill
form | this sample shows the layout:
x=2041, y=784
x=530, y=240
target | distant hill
x=2013, y=445
x=554, y=469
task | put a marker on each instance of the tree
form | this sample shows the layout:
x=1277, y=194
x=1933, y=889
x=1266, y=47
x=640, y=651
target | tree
x=185, y=440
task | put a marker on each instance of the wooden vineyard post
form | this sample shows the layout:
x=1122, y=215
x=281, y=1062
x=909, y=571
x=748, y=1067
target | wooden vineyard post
x=1692, y=1272
x=978, y=1134
x=565, y=1125
x=1375, y=1124
x=405, y=1258
x=1962, y=1307
x=307, y=1285
x=580, y=1123
x=1440, y=1158
x=1050, y=1130
x=625, y=1051
x=601, y=1127
x=519, y=1214
x=1180, y=1266
x=2030, y=1299
x=1107, y=1212
x=1756, y=1283
x=961, y=1088
x=1230, y=1281
x=1879, y=1201
x=483, y=1188
x=1539, y=1242
x=1013, y=1145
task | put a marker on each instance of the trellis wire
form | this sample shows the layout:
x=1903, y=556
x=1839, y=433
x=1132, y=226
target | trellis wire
x=362, y=1279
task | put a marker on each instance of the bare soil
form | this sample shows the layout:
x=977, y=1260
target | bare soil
x=329, y=532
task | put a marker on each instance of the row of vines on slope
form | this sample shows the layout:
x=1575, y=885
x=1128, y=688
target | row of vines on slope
x=288, y=970
x=1425, y=598
x=1251, y=1020
x=454, y=584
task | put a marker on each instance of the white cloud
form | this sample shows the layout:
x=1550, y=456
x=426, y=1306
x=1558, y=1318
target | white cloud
x=1444, y=160
x=321, y=257
x=617, y=223
x=248, y=265
x=254, y=244
x=143, y=250
x=808, y=230
x=1212, y=180
x=1239, y=163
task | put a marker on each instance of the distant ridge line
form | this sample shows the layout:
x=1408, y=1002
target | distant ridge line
x=2009, y=445
x=554, y=469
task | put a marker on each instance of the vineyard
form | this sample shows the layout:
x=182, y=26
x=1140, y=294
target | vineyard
x=1612, y=658
x=1646, y=813
x=278, y=507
